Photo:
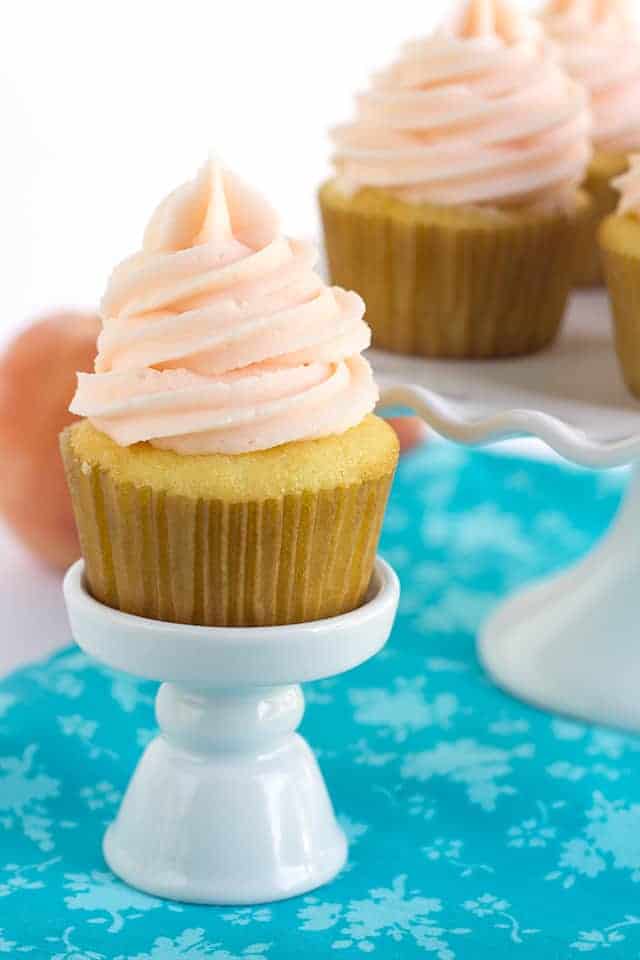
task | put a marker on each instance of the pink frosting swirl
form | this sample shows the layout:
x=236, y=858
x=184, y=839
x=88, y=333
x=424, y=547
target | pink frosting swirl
x=629, y=186
x=478, y=113
x=599, y=43
x=219, y=336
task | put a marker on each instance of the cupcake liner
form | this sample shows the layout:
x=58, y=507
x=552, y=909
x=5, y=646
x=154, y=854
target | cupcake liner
x=452, y=282
x=622, y=273
x=604, y=200
x=291, y=559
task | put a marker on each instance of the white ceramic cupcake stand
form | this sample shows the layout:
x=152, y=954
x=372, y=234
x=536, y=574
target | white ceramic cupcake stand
x=228, y=805
x=572, y=642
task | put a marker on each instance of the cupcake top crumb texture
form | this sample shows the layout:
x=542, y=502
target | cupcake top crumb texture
x=365, y=453
x=220, y=337
x=599, y=44
x=478, y=113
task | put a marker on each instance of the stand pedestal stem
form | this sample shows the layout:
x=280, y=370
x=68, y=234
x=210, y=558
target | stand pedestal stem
x=228, y=805
x=572, y=643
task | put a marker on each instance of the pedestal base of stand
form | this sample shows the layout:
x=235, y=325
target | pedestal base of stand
x=572, y=643
x=218, y=831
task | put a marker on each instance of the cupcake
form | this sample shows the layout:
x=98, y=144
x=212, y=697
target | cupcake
x=229, y=470
x=599, y=44
x=456, y=198
x=620, y=247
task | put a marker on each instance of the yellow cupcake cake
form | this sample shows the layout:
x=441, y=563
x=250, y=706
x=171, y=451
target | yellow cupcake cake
x=229, y=470
x=455, y=202
x=599, y=44
x=620, y=247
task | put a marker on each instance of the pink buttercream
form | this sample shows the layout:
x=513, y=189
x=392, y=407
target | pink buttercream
x=219, y=336
x=629, y=187
x=477, y=113
x=599, y=42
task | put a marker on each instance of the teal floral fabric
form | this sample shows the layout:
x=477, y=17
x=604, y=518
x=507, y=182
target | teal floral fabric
x=478, y=827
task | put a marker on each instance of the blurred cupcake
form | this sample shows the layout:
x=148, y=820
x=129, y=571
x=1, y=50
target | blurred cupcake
x=230, y=471
x=620, y=246
x=456, y=191
x=599, y=43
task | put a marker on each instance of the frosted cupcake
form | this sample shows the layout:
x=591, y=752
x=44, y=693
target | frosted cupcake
x=229, y=471
x=456, y=197
x=620, y=245
x=599, y=44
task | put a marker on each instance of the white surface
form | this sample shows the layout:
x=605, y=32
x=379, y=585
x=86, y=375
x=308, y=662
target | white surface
x=228, y=805
x=33, y=620
x=571, y=643
x=107, y=106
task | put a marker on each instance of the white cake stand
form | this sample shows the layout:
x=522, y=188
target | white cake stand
x=572, y=642
x=228, y=805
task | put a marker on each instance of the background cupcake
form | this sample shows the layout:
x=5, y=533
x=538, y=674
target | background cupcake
x=620, y=245
x=229, y=472
x=599, y=43
x=455, y=197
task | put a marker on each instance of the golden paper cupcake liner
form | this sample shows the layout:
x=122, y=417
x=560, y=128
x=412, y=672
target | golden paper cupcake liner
x=452, y=282
x=605, y=198
x=216, y=563
x=622, y=273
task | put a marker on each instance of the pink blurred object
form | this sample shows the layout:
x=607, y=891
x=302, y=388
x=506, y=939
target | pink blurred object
x=37, y=380
x=411, y=432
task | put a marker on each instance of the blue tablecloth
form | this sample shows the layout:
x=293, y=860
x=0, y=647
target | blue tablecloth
x=479, y=827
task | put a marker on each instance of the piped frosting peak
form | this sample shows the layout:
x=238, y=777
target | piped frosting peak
x=479, y=113
x=479, y=19
x=219, y=336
